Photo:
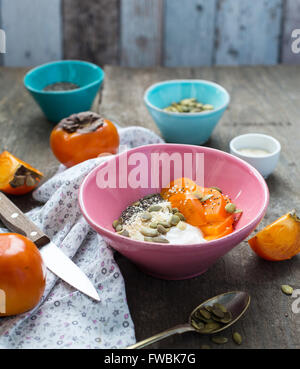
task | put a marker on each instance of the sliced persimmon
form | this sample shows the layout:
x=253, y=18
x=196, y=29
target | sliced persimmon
x=279, y=240
x=16, y=176
x=214, y=206
x=215, y=229
x=227, y=231
x=179, y=185
x=190, y=207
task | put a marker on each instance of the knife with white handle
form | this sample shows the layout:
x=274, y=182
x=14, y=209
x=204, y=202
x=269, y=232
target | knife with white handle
x=54, y=259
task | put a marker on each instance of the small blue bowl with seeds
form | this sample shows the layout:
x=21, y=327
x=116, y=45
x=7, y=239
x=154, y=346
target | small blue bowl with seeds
x=168, y=104
x=64, y=87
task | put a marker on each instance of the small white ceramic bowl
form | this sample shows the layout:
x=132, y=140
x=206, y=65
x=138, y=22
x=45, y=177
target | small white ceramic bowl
x=266, y=163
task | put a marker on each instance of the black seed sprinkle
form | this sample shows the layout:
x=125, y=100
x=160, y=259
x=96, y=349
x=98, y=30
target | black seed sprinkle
x=143, y=205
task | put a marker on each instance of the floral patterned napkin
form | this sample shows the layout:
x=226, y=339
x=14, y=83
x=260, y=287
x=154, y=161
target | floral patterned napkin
x=65, y=318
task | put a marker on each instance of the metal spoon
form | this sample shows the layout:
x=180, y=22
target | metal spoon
x=237, y=302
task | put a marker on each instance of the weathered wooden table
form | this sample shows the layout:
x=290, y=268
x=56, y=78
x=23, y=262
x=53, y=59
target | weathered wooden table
x=265, y=100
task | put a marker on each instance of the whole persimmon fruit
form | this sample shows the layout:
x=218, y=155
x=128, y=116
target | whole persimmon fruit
x=83, y=136
x=22, y=274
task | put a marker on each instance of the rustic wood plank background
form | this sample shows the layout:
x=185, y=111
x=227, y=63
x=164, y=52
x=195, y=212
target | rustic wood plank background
x=33, y=31
x=189, y=32
x=140, y=33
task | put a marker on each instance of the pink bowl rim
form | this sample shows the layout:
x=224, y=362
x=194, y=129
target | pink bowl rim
x=219, y=241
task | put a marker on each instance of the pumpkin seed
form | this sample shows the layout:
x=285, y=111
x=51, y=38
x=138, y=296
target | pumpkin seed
x=149, y=232
x=230, y=208
x=207, y=107
x=153, y=225
x=181, y=216
x=288, y=290
x=208, y=308
x=237, y=338
x=227, y=318
x=205, y=347
x=198, y=195
x=115, y=224
x=124, y=233
x=148, y=239
x=175, y=210
x=164, y=223
x=154, y=208
x=219, y=340
x=220, y=307
x=136, y=203
x=205, y=313
x=197, y=325
x=217, y=312
x=146, y=217
x=119, y=228
x=181, y=225
x=216, y=188
x=206, y=197
x=174, y=220
x=161, y=229
x=160, y=240
x=210, y=327
x=238, y=211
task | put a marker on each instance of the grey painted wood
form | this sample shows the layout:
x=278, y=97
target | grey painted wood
x=155, y=304
x=141, y=32
x=33, y=31
x=189, y=32
x=291, y=21
x=248, y=32
x=91, y=30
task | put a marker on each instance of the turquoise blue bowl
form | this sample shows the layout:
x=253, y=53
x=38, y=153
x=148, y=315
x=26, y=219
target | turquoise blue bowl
x=186, y=128
x=57, y=105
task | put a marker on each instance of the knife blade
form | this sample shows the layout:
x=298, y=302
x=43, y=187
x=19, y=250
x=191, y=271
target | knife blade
x=54, y=259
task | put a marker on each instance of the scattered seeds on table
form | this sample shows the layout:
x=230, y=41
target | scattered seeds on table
x=237, y=338
x=230, y=208
x=219, y=340
x=288, y=290
x=205, y=347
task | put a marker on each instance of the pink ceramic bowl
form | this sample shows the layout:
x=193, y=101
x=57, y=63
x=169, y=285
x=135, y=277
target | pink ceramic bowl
x=100, y=206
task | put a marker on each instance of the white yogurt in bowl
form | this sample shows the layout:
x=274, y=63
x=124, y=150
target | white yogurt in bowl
x=181, y=234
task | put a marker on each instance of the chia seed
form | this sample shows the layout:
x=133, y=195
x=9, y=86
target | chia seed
x=143, y=204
